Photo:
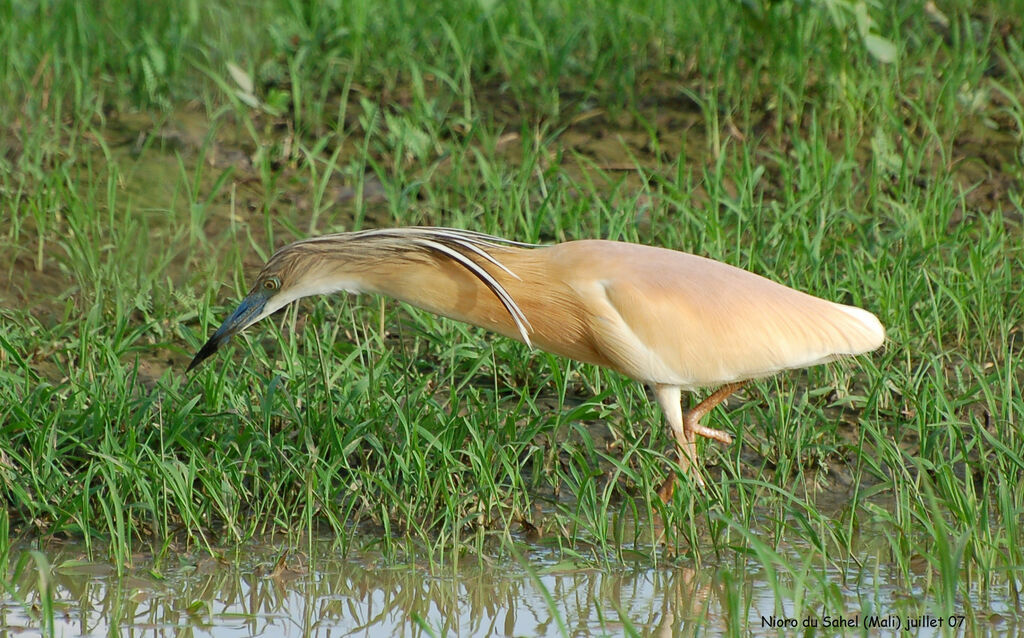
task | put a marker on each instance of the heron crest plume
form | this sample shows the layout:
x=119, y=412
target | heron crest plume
x=350, y=261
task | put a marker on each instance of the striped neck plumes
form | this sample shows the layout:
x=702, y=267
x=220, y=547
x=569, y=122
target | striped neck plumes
x=311, y=266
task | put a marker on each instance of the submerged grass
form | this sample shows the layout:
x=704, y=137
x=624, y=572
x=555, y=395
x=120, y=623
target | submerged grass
x=770, y=136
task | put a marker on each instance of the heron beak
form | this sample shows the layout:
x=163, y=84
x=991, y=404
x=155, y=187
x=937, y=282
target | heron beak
x=246, y=313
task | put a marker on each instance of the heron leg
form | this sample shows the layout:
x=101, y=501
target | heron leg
x=686, y=426
x=670, y=399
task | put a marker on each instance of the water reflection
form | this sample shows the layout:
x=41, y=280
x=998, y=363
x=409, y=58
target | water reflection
x=269, y=592
x=265, y=596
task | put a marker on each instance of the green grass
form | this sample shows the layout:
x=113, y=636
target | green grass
x=142, y=180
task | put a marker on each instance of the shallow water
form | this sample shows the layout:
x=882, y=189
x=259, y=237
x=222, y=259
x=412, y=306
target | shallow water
x=265, y=590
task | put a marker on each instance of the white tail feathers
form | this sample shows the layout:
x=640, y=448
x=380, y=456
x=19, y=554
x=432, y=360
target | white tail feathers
x=872, y=333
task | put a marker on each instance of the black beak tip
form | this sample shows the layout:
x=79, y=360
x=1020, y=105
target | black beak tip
x=208, y=349
x=245, y=314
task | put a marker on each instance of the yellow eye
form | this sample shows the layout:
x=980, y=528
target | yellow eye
x=272, y=284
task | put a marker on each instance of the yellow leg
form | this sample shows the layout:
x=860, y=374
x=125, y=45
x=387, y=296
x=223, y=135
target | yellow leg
x=685, y=427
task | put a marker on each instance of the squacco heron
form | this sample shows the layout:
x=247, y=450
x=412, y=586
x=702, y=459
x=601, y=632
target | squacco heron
x=671, y=320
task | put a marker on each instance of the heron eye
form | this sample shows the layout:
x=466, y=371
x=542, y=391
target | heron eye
x=272, y=284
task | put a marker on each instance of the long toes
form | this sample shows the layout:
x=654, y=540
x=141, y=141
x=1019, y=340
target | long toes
x=667, y=489
x=710, y=433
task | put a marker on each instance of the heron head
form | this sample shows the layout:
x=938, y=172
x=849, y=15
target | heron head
x=310, y=267
x=265, y=297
